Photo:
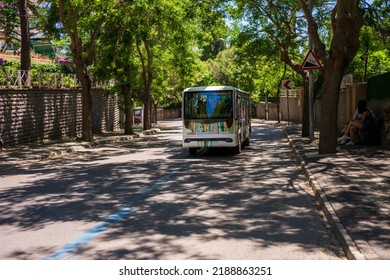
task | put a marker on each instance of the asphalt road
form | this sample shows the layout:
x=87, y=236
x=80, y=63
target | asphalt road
x=148, y=199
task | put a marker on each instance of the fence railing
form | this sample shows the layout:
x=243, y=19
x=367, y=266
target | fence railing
x=29, y=79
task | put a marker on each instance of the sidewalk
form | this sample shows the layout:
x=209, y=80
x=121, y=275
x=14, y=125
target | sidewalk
x=353, y=188
x=48, y=149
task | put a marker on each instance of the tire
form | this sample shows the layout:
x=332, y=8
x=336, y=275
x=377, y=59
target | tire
x=192, y=151
x=246, y=142
x=238, y=148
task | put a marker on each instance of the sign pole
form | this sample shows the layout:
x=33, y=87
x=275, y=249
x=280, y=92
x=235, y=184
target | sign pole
x=288, y=108
x=286, y=85
x=311, y=104
x=311, y=63
x=311, y=91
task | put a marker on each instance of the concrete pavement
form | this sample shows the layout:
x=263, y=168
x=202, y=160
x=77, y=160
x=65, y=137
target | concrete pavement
x=352, y=186
x=48, y=149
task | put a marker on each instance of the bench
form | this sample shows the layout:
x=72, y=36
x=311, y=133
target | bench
x=371, y=133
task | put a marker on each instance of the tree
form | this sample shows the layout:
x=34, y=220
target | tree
x=281, y=21
x=25, y=57
x=346, y=22
x=149, y=51
x=163, y=27
x=377, y=17
x=118, y=59
x=278, y=22
x=372, y=57
x=223, y=67
x=81, y=21
x=212, y=29
x=9, y=22
x=258, y=66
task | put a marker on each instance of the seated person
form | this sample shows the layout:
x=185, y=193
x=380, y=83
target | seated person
x=361, y=117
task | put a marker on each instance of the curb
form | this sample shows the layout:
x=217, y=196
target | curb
x=349, y=247
x=97, y=143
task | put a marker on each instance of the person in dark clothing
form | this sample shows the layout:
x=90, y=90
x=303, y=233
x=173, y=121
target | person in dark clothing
x=361, y=117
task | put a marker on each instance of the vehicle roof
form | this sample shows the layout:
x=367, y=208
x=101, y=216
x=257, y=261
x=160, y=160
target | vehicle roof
x=209, y=88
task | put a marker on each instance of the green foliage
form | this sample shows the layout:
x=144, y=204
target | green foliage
x=53, y=68
x=48, y=19
x=9, y=20
x=204, y=76
x=374, y=51
x=207, y=42
x=212, y=30
x=168, y=28
x=223, y=68
x=377, y=17
x=43, y=68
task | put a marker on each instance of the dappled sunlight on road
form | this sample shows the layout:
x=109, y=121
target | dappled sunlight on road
x=216, y=205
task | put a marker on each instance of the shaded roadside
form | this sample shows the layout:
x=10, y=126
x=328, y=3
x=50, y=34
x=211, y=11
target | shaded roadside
x=353, y=188
x=10, y=156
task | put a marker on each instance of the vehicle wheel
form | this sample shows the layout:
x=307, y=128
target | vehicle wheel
x=237, y=149
x=192, y=151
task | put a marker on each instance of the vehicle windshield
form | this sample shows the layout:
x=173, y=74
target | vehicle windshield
x=208, y=105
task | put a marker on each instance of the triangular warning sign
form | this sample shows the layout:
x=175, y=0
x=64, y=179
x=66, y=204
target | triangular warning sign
x=311, y=62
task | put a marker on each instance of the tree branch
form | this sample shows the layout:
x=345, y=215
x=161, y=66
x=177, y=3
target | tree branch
x=313, y=33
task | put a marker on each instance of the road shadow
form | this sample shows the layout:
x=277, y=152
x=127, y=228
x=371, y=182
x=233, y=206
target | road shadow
x=356, y=183
x=252, y=197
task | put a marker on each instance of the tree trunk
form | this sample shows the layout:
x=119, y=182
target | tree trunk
x=305, y=108
x=147, y=78
x=128, y=110
x=86, y=84
x=25, y=58
x=87, y=131
x=128, y=101
x=147, y=110
x=81, y=63
x=329, y=101
x=346, y=22
x=155, y=109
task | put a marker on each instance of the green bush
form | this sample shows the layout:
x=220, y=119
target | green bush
x=43, y=68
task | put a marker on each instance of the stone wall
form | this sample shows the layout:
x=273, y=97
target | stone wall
x=164, y=114
x=28, y=115
x=105, y=112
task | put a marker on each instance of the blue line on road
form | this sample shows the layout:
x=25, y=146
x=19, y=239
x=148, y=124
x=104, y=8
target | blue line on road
x=108, y=222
